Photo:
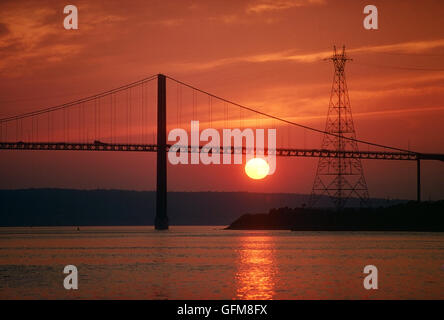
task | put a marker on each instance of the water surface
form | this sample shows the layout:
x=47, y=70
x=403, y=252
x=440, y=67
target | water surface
x=211, y=263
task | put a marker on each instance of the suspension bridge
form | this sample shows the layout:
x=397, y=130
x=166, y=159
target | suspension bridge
x=134, y=118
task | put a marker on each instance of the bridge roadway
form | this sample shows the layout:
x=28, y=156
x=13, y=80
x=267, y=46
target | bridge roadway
x=280, y=152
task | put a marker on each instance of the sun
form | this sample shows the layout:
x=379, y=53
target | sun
x=257, y=168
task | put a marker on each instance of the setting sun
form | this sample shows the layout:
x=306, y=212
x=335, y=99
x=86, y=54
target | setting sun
x=257, y=168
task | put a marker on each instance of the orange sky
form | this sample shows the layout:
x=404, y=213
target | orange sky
x=259, y=53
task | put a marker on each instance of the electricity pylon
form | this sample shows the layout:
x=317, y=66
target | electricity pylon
x=338, y=177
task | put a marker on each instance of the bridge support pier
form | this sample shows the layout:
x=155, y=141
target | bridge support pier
x=418, y=179
x=161, y=220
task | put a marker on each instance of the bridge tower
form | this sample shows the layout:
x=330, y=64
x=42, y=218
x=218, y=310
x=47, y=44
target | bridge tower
x=338, y=177
x=161, y=220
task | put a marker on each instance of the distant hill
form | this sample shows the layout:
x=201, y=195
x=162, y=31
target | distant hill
x=410, y=216
x=66, y=207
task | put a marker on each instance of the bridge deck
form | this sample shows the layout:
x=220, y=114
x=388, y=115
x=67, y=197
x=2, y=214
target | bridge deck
x=280, y=152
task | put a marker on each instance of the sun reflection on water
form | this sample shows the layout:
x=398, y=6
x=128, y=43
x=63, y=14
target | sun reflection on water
x=256, y=268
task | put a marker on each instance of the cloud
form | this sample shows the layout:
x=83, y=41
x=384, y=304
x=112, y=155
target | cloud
x=277, y=5
x=32, y=36
x=169, y=22
x=261, y=58
x=4, y=30
x=403, y=47
x=397, y=111
x=321, y=117
x=291, y=55
x=25, y=32
x=228, y=19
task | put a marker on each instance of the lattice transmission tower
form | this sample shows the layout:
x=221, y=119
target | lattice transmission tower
x=339, y=178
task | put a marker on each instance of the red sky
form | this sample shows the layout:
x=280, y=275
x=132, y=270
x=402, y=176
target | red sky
x=265, y=54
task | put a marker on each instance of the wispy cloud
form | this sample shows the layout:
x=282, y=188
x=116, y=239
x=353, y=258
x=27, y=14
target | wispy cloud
x=403, y=47
x=397, y=111
x=291, y=55
x=308, y=118
x=277, y=5
x=31, y=36
x=261, y=58
x=173, y=22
